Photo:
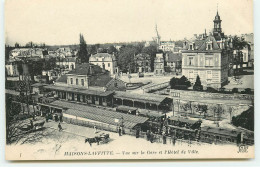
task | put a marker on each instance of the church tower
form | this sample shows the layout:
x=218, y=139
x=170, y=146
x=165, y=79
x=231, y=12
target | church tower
x=217, y=30
x=217, y=24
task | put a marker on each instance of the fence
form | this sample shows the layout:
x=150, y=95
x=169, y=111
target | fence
x=101, y=126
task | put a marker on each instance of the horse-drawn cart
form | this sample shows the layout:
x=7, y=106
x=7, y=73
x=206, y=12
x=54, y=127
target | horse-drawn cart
x=101, y=137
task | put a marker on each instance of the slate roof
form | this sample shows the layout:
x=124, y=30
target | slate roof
x=92, y=91
x=62, y=79
x=85, y=109
x=185, y=120
x=173, y=57
x=86, y=69
x=102, y=55
x=200, y=45
x=99, y=118
x=126, y=108
x=150, y=113
x=149, y=98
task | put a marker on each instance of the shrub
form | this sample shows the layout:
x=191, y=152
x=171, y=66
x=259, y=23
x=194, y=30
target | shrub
x=235, y=90
x=197, y=86
x=212, y=90
x=247, y=91
x=183, y=83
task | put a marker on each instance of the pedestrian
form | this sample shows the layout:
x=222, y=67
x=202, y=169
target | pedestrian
x=148, y=135
x=164, y=139
x=47, y=118
x=137, y=133
x=60, y=128
x=151, y=137
x=31, y=122
x=61, y=118
x=173, y=140
x=119, y=131
x=95, y=129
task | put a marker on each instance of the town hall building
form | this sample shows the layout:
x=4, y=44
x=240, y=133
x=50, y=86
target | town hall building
x=207, y=57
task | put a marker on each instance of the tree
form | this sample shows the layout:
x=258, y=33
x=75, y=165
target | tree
x=92, y=49
x=111, y=49
x=245, y=119
x=238, y=44
x=151, y=50
x=126, y=58
x=30, y=44
x=182, y=83
x=197, y=86
x=173, y=82
x=83, y=52
x=16, y=45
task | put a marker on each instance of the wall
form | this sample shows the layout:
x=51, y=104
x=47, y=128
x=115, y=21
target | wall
x=79, y=77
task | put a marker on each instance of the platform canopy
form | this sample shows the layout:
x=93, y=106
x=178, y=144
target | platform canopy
x=86, y=91
x=97, y=111
x=99, y=118
x=144, y=98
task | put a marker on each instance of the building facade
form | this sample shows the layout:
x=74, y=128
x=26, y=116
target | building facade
x=159, y=64
x=11, y=69
x=105, y=61
x=173, y=61
x=208, y=58
x=66, y=63
x=167, y=46
x=142, y=63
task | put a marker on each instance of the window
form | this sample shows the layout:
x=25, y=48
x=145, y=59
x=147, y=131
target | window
x=82, y=82
x=71, y=81
x=191, y=61
x=209, y=46
x=209, y=61
x=191, y=47
x=108, y=64
x=245, y=60
x=77, y=81
x=209, y=75
x=191, y=76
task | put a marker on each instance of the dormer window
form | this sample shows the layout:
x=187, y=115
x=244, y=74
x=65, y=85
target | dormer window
x=209, y=46
x=191, y=46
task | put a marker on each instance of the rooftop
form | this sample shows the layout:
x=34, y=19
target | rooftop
x=86, y=69
x=149, y=98
x=185, y=120
x=98, y=111
x=173, y=57
x=92, y=91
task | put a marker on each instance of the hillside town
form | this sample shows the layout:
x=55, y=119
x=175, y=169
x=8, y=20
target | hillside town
x=194, y=90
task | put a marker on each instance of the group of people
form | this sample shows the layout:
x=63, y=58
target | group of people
x=150, y=136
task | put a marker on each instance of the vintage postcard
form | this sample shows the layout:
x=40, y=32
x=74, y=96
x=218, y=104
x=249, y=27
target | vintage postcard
x=129, y=79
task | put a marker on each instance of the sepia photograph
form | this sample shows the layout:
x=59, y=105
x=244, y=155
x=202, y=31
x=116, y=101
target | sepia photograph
x=129, y=79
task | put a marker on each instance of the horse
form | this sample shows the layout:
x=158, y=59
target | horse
x=92, y=140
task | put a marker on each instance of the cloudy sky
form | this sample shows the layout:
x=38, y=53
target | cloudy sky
x=102, y=21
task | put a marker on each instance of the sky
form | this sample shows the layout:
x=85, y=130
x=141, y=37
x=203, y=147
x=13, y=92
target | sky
x=59, y=22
